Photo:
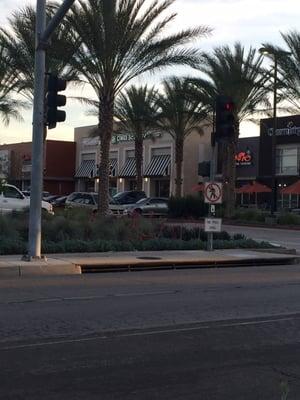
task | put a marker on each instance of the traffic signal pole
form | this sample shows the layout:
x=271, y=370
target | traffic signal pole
x=42, y=36
x=210, y=236
x=36, y=186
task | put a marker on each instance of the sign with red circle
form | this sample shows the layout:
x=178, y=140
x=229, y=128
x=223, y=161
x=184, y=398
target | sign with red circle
x=213, y=192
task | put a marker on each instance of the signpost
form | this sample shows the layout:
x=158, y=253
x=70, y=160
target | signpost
x=212, y=224
x=213, y=194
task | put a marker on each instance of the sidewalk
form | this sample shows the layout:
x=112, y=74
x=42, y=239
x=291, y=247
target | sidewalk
x=73, y=264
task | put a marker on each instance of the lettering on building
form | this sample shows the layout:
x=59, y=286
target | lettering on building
x=244, y=158
x=290, y=130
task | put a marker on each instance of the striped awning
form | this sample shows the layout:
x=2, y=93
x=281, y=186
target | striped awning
x=87, y=169
x=113, y=164
x=159, y=166
x=129, y=168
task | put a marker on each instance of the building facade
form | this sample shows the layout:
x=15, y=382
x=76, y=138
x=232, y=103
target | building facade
x=247, y=160
x=158, y=162
x=287, y=156
x=59, y=165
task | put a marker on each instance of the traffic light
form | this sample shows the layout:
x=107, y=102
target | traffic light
x=225, y=120
x=204, y=168
x=55, y=100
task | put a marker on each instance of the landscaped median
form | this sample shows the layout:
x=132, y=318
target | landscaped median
x=75, y=231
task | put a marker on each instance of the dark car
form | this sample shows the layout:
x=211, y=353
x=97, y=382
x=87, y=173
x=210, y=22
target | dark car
x=122, y=199
x=129, y=197
x=59, y=201
x=52, y=198
x=151, y=206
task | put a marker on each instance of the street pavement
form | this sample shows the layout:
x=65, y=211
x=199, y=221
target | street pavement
x=183, y=334
x=283, y=237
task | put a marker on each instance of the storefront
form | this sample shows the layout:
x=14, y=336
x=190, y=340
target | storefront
x=246, y=161
x=287, y=157
x=158, y=162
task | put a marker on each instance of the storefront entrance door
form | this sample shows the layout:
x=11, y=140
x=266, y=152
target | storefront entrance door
x=162, y=188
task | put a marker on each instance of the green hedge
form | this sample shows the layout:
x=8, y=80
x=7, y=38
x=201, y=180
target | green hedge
x=189, y=206
x=289, y=219
x=80, y=231
x=79, y=246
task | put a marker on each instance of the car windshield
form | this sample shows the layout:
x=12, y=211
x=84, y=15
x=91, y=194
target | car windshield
x=119, y=195
x=141, y=201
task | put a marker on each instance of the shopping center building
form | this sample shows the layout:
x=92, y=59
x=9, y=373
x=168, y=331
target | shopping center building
x=286, y=156
x=58, y=168
x=158, y=162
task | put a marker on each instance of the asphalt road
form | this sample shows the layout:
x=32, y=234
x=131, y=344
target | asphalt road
x=196, y=334
x=283, y=237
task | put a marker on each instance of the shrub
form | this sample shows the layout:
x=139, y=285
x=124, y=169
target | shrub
x=249, y=215
x=289, y=219
x=82, y=231
x=189, y=206
x=12, y=246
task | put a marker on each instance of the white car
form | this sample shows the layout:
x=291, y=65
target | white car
x=11, y=198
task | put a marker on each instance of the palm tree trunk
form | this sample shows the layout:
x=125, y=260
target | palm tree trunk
x=138, y=147
x=229, y=181
x=106, y=112
x=229, y=177
x=178, y=162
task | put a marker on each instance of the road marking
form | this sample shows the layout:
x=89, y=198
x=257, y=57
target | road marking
x=82, y=298
x=211, y=325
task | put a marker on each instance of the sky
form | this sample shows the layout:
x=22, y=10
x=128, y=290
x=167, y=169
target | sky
x=251, y=22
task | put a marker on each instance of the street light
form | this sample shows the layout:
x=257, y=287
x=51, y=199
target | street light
x=275, y=54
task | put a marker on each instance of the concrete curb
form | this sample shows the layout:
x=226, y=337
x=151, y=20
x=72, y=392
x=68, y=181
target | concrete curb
x=136, y=265
x=74, y=264
x=18, y=269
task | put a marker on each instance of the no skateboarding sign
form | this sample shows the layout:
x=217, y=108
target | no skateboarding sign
x=213, y=192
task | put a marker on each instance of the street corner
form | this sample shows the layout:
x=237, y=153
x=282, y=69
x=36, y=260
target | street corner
x=13, y=268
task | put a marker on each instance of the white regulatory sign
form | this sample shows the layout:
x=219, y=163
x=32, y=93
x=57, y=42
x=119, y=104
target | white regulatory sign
x=212, y=224
x=213, y=192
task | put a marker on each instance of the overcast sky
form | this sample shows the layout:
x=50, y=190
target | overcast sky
x=249, y=21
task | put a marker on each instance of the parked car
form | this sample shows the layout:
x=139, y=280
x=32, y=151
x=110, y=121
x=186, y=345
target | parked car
x=11, y=198
x=45, y=195
x=51, y=198
x=129, y=196
x=122, y=199
x=151, y=206
x=83, y=200
x=59, y=202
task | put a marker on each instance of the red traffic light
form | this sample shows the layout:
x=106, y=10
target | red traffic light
x=229, y=106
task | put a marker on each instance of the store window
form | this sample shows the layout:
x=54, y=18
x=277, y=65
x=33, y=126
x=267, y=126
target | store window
x=287, y=160
x=162, y=188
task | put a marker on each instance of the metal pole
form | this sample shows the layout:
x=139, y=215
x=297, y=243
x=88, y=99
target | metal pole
x=210, y=241
x=210, y=244
x=273, y=144
x=55, y=21
x=37, y=137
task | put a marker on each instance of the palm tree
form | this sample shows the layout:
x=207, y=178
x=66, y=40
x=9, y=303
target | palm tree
x=9, y=107
x=180, y=114
x=236, y=73
x=18, y=40
x=120, y=40
x=136, y=110
x=289, y=68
